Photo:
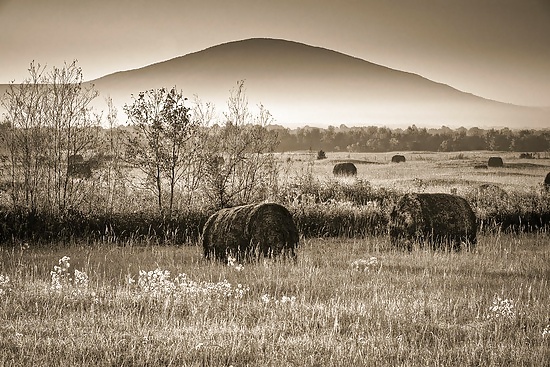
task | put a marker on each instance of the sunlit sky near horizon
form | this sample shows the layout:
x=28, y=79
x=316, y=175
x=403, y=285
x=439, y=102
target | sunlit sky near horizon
x=497, y=49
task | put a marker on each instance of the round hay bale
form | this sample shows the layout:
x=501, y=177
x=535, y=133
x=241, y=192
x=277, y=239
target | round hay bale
x=441, y=220
x=398, y=158
x=547, y=181
x=250, y=230
x=526, y=156
x=344, y=169
x=495, y=162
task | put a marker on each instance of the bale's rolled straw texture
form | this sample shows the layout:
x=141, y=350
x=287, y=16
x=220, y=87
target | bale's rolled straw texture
x=250, y=230
x=495, y=162
x=344, y=169
x=441, y=220
x=398, y=158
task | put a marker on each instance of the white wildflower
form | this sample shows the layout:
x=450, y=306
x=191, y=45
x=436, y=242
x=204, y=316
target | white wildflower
x=365, y=265
x=501, y=309
x=5, y=285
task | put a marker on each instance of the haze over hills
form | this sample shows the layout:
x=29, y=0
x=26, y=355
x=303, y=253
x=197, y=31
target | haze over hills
x=305, y=85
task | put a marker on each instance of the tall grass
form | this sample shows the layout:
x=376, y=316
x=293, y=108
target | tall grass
x=488, y=308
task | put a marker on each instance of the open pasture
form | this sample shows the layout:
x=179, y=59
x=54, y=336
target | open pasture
x=427, y=171
x=345, y=302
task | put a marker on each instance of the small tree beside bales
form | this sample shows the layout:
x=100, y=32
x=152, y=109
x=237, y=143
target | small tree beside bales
x=159, y=148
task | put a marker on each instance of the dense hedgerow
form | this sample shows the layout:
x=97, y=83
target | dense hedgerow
x=329, y=208
x=181, y=227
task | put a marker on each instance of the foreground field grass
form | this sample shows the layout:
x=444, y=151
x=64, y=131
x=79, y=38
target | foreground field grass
x=488, y=308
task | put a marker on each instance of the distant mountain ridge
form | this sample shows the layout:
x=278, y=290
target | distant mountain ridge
x=307, y=85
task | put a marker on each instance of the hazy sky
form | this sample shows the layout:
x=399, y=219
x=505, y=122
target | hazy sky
x=498, y=49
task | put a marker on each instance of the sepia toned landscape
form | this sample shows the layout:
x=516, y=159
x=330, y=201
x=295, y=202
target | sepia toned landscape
x=288, y=184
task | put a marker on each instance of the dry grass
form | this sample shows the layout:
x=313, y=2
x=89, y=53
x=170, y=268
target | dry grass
x=335, y=306
x=430, y=171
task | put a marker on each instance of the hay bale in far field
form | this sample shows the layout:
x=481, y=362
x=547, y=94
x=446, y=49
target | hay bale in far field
x=344, y=169
x=526, y=156
x=398, y=158
x=250, y=230
x=441, y=220
x=495, y=162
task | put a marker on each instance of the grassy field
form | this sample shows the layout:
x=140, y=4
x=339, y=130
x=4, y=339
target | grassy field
x=430, y=171
x=345, y=302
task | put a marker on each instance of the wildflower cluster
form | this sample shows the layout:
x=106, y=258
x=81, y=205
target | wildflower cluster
x=501, y=309
x=266, y=298
x=60, y=274
x=158, y=283
x=365, y=265
x=232, y=262
x=61, y=277
x=5, y=285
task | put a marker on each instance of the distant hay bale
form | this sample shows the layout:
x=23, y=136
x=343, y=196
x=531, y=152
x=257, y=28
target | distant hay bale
x=495, y=162
x=344, y=169
x=526, y=156
x=440, y=220
x=250, y=230
x=480, y=166
x=398, y=158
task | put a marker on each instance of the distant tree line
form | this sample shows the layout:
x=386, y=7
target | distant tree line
x=383, y=139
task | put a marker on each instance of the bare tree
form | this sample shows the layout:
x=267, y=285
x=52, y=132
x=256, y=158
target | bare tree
x=49, y=122
x=240, y=163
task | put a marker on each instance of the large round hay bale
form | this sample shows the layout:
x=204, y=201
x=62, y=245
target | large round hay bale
x=250, y=230
x=440, y=220
x=398, y=158
x=344, y=169
x=495, y=162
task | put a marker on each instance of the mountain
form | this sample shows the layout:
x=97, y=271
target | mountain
x=305, y=85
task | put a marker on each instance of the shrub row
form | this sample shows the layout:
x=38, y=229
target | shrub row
x=23, y=225
x=320, y=209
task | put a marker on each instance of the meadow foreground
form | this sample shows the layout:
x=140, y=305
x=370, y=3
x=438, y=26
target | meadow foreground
x=345, y=302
